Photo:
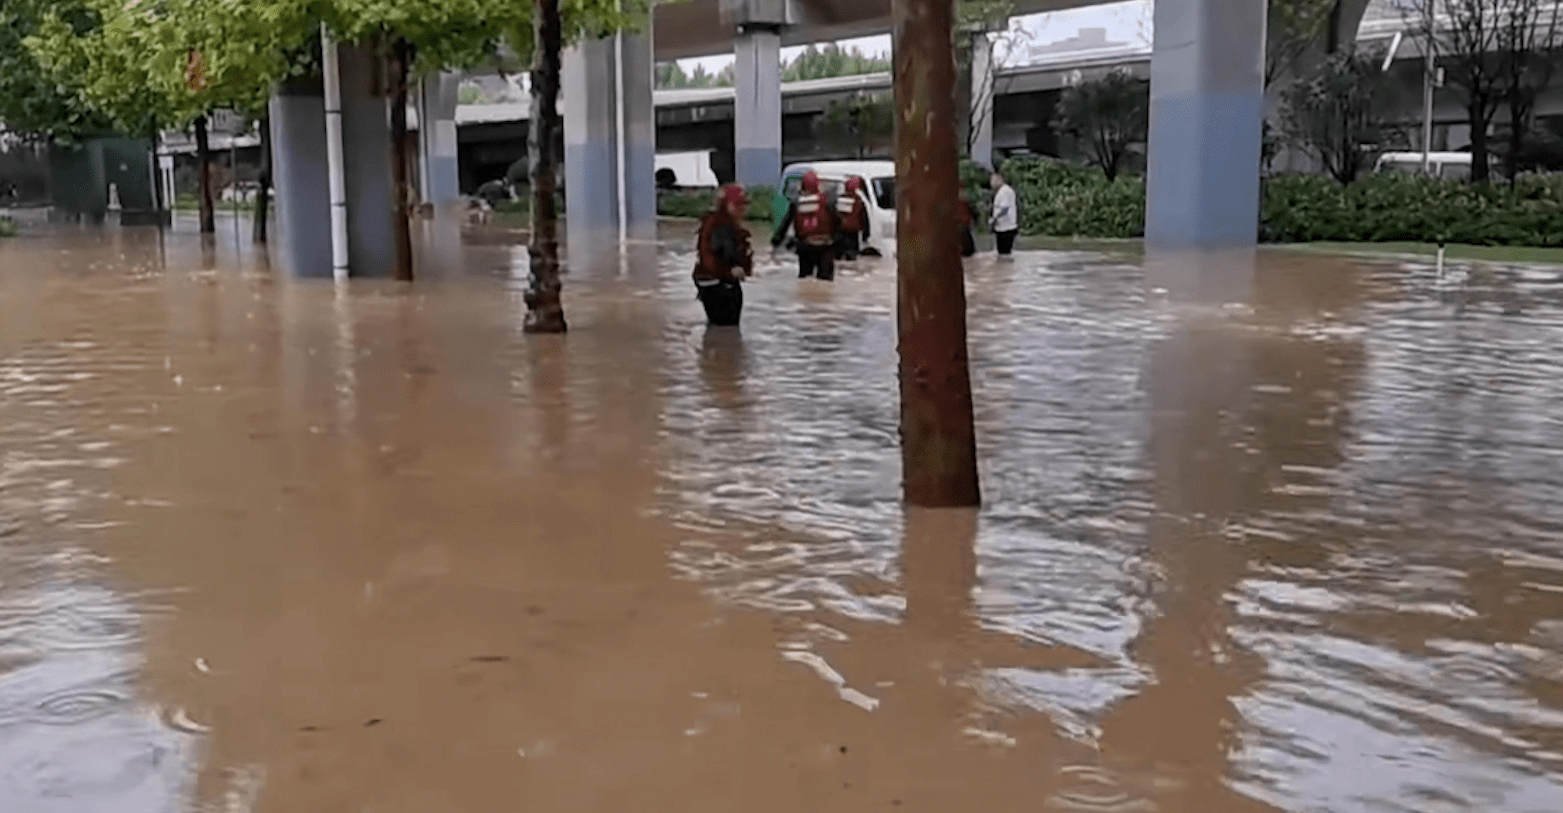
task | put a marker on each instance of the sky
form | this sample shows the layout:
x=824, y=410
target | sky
x=1125, y=21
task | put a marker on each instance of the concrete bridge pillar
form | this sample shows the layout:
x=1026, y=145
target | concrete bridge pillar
x=610, y=143
x=1207, y=105
x=438, y=180
x=757, y=105
x=757, y=102
x=298, y=132
x=983, y=73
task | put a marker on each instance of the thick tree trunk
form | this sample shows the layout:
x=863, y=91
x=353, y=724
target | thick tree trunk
x=203, y=157
x=938, y=443
x=263, y=183
x=401, y=57
x=544, y=305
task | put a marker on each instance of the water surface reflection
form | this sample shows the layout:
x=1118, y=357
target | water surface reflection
x=281, y=545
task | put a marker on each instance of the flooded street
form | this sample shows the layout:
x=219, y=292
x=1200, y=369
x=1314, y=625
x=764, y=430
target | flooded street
x=273, y=545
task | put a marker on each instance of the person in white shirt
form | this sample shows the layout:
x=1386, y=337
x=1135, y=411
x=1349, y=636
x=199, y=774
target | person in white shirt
x=1006, y=214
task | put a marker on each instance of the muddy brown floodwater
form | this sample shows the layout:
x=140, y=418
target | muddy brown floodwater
x=272, y=545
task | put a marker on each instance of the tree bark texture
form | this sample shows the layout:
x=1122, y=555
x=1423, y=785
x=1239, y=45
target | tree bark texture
x=544, y=305
x=203, y=157
x=938, y=442
x=401, y=57
x=258, y=232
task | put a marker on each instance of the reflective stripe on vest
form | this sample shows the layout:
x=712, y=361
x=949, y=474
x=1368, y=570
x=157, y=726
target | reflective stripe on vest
x=845, y=203
x=808, y=204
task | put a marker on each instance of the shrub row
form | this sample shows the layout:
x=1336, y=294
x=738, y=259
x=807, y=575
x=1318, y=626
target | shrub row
x=696, y=202
x=1066, y=200
x=1385, y=208
x=8, y=227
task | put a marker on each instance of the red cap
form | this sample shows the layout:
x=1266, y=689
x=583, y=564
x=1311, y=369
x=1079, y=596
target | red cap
x=810, y=182
x=734, y=196
x=854, y=183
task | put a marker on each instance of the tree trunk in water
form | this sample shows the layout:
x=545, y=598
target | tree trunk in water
x=203, y=157
x=938, y=443
x=263, y=184
x=401, y=56
x=544, y=306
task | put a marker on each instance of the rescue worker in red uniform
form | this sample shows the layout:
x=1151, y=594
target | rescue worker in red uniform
x=723, y=258
x=814, y=223
x=852, y=217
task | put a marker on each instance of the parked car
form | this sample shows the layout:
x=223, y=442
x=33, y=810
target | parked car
x=878, y=195
x=1448, y=165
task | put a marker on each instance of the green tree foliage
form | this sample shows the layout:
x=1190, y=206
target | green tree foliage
x=862, y=126
x=974, y=18
x=672, y=76
x=132, y=66
x=1334, y=111
x=1467, y=37
x=1104, y=118
x=1291, y=30
x=1529, y=37
x=32, y=103
x=814, y=62
x=831, y=61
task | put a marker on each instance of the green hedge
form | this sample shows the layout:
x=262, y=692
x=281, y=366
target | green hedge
x=1065, y=200
x=1058, y=199
x=8, y=227
x=1393, y=208
x=693, y=203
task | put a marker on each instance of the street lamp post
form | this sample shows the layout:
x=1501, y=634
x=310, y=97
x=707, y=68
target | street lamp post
x=1429, y=59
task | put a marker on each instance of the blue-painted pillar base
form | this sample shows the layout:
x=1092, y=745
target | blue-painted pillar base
x=298, y=130
x=598, y=77
x=438, y=172
x=1206, y=118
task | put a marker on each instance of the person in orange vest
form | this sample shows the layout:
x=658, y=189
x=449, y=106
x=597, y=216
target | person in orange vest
x=723, y=258
x=852, y=215
x=814, y=223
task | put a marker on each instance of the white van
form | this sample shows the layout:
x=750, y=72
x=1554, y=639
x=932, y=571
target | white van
x=691, y=169
x=1447, y=165
x=878, y=195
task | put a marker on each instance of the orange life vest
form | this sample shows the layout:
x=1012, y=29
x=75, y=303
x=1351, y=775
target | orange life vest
x=850, y=210
x=707, y=264
x=812, y=221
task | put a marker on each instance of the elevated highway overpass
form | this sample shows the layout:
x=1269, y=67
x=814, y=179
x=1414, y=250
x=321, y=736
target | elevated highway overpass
x=696, y=28
x=1207, y=102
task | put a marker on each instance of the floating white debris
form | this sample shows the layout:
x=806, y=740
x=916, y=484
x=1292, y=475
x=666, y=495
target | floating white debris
x=858, y=699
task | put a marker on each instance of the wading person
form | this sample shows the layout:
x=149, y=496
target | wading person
x=968, y=221
x=815, y=226
x=723, y=258
x=852, y=217
x=1006, y=214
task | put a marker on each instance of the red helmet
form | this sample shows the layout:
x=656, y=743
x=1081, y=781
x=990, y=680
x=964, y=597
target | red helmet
x=811, y=182
x=854, y=183
x=734, y=196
